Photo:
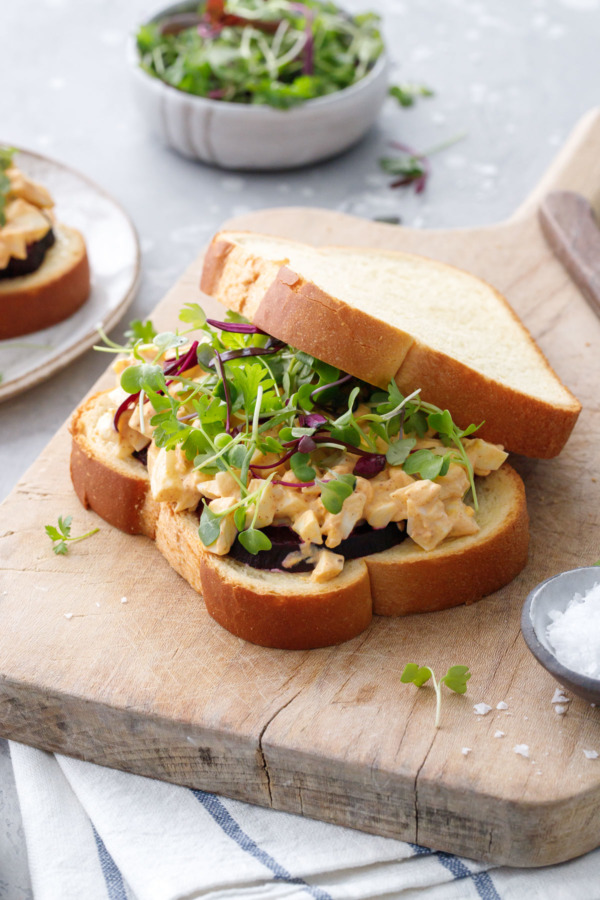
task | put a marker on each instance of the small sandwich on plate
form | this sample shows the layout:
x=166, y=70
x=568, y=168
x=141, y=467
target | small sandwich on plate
x=335, y=448
x=44, y=271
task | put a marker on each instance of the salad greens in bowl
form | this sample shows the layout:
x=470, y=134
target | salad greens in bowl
x=259, y=84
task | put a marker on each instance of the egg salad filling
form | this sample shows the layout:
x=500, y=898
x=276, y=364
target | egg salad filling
x=262, y=439
x=25, y=216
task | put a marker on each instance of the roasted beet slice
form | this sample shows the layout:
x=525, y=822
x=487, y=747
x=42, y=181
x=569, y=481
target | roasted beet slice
x=363, y=541
x=35, y=257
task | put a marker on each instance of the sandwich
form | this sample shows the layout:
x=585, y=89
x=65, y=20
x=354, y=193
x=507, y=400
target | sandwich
x=44, y=271
x=297, y=495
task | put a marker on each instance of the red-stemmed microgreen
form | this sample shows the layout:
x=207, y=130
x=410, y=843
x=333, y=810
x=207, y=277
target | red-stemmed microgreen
x=413, y=167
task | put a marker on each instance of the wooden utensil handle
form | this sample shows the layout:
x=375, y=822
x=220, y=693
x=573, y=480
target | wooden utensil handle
x=569, y=225
x=575, y=168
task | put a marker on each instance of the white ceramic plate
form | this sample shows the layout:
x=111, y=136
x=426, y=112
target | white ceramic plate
x=114, y=255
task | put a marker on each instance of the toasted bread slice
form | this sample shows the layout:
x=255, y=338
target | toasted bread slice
x=50, y=294
x=287, y=610
x=381, y=315
x=116, y=489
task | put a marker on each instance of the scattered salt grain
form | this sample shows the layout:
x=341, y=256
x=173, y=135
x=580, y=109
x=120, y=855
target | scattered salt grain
x=482, y=709
x=123, y=599
x=68, y=615
x=466, y=750
x=560, y=697
x=502, y=705
x=589, y=754
x=498, y=734
x=560, y=710
x=97, y=604
x=522, y=750
x=575, y=633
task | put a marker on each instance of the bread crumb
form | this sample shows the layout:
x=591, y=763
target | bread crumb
x=68, y=615
x=466, y=750
x=498, y=734
x=482, y=709
x=522, y=750
x=502, y=705
x=589, y=754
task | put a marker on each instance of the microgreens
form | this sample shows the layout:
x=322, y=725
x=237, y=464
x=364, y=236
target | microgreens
x=413, y=167
x=61, y=536
x=455, y=679
x=6, y=160
x=140, y=331
x=279, y=53
x=302, y=412
x=406, y=94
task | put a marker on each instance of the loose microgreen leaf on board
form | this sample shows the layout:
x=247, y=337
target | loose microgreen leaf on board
x=61, y=536
x=455, y=679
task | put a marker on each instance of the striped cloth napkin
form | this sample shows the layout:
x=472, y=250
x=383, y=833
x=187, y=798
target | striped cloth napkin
x=99, y=834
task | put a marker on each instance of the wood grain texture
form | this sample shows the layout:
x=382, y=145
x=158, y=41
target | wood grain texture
x=154, y=686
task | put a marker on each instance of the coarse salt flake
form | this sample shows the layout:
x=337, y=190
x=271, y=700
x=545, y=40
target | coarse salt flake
x=560, y=697
x=498, y=734
x=466, y=750
x=560, y=710
x=522, y=750
x=123, y=599
x=68, y=615
x=574, y=634
x=502, y=705
x=589, y=754
x=482, y=709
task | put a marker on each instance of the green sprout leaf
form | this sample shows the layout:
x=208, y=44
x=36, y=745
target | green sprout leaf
x=141, y=378
x=61, y=536
x=253, y=540
x=210, y=526
x=140, y=331
x=427, y=464
x=239, y=517
x=455, y=679
x=398, y=451
x=334, y=492
x=300, y=467
x=193, y=315
x=407, y=94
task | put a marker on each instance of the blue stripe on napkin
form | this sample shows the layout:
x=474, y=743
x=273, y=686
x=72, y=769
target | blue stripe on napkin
x=482, y=880
x=225, y=820
x=112, y=876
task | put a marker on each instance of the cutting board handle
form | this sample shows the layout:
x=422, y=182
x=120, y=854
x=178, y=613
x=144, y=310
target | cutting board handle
x=576, y=167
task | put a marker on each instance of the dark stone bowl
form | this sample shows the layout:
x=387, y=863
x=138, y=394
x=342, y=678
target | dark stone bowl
x=555, y=594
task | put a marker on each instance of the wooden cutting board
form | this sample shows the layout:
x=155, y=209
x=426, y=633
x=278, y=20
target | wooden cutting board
x=154, y=686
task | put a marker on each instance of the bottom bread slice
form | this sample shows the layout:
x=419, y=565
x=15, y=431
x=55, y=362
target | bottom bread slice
x=286, y=610
x=50, y=294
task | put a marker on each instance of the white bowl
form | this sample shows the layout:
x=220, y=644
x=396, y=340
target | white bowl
x=248, y=136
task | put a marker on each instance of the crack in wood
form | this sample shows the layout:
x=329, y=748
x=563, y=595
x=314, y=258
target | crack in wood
x=261, y=752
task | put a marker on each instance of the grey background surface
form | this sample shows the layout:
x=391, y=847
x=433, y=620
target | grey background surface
x=513, y=76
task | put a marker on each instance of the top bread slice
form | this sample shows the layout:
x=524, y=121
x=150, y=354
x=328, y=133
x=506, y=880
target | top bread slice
x=383, y=315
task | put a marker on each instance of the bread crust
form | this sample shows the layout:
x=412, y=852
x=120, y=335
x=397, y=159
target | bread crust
x=50, y=294
x=117, y=491
x=280, y=301
x=289, y=611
